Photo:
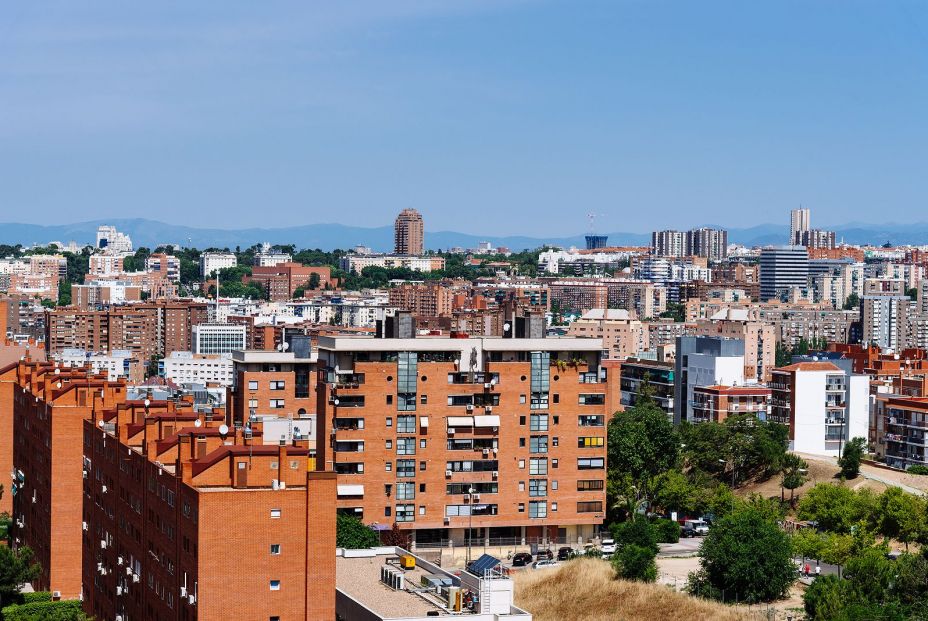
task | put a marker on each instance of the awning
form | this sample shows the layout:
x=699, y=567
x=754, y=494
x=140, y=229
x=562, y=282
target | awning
x=460, y=421
x=424, y=422
x=486, y=421
x=350, y=490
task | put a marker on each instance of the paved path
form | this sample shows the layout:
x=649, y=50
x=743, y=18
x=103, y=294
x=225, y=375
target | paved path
x=886, y=477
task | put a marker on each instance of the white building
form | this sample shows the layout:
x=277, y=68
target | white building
x=111, y=240
x=184, y=367
x=353, y=312
x=218, y=338
x=105, y=264
x=117, y=363
x=266, y=258
x=704, y=361
x=823, y=405
x=212, y=261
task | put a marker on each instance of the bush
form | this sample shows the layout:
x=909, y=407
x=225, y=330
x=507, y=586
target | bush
x=850, y=458
x=918, y=469
x=31, y=598
x=353, y=534
x=69, y=610
x=666, y=531
x=635, y=532
x=634, y=562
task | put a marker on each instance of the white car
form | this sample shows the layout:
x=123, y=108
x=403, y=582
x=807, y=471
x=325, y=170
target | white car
x=546, y=564
x=608, y=547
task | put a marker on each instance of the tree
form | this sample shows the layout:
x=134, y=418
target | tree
x=314, y=280
x=852, y=302
x=901, y=516
x=17, y=567
x=352, y=533
x=395, y=537
x=836, y=508
x=673, y=491
x=638, y=533
x=783, y=355
x=851, y=457
x=746, y=557
x=634, y=562
x=794, y=475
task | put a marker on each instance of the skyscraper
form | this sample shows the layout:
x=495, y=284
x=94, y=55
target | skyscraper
x=781, y=268
x=799, y=222
x=409, y=233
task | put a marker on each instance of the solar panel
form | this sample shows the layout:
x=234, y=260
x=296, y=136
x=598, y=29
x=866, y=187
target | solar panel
x=482, y=564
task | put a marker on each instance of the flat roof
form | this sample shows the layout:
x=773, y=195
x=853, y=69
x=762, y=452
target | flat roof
x=371, y=343
x=359, y=578
x=269, y=357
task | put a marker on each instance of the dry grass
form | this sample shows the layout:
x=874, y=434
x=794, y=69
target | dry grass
x=819, y=472
x=585, y=590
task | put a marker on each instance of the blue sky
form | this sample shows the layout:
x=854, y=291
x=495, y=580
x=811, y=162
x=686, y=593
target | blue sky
x=504, y=116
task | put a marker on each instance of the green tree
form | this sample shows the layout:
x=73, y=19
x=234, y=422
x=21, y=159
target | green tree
x=634, y=562
x=638, y=533
x=836, y=508
x=783, y=355
x=352, y=533
x=314, y=281
x=794, y=475
x=852, y=302
x=64, y=293
x=17, y=567
x=901, y=516
x=850, y=458
x=746, y=557
x=673, y=491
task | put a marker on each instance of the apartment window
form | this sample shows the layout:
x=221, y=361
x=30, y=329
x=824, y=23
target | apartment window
x=538, y=509
x=590, y=442
x=405, y=467
x=252, y=385
x=405, y=446
x=554, y=441
x=538, y=422
x=405, y=513
x=405, y=424
x=252, y=404
x=277, y=385
x=554, y=463
x=538, y=487
x=590, y=485
x=277, y=404
x=423, y=443
x=593, y=506
x=389, y=420
x=275, y=585
x=593, y=420
x=421, y=510
x=554, y=485
x=422, y=485
x=406, y=402
x=275, y=549
x=521, y=486
x=554, y=506
x=538, y=466
x=389, y=445
x=521, y=507
x=594, y=463
x=522, y=420
x=521, y=442
x=405, y=491
x=424, y=399
x=275, y=513
x=422, y=468
x=557, y=398
x=389, y=401
x=557, y=419
x=592, y=399
x=538, y=444
x=522, y=399
x=389, y=466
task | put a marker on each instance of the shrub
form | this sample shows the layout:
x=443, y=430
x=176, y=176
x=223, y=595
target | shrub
x=69, y=610
x=31, y=598
x=635, y=532
x=634, y=562
x=918, y=469
x=352, y=533
x=666, y=531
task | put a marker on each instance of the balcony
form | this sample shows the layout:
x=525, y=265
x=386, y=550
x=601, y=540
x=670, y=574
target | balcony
x=348, y=401
x=349, y=380
x=473, y=378
x=589, y=378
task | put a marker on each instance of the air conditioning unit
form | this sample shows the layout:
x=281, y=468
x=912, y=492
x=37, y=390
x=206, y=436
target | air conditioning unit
x=85, y=474
x=119, y=560
x=496, y=474
x=450, y=431
x=487, y=385
x=489, y=408
x=486, y=452
x=447, y=473
x=128, y=571
x=192, y=599
x=136, y=577
x=99, y=566
x=183, y=591
x=283, y=485
x=118, y=590
x=119, y=617
x=103, y=489
x=466, y=496
x=470, y=407
x=56, y=594
x=496, y=430
x=103, y=544
x=447, y=520
x=85, y=526
x=475, y=497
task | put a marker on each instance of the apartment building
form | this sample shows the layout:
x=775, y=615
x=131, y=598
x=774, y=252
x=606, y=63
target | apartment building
x=111, y=240
x=622, y=336
x=759, y=339
x=409, y=233
x=885, y=313
x=422, y=299
x=357, y=262
x=167, y=265
x=659, y=375
x=211, y=262
x=504, y=435
x=105, y=264
x=95, y=294
x=167, y=499
x=114, y=364
x=184, y=367
x=901, y=423
x=281, y=280
x=823, y=405
x=703, y=242
x=716, y=403
x=274, y=383
x=644, y=299
x=704, y=361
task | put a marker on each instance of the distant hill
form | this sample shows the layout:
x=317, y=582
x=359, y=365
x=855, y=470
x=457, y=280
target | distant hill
x=152, y=233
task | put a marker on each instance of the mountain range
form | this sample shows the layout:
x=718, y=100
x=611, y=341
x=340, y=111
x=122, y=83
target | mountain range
x=152, y=233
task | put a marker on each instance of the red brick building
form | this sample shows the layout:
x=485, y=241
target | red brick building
x=283, y=279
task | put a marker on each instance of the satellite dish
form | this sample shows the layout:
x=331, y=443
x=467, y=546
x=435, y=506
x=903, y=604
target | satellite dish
x=198, y=423
x=101, y=423
x=58, y=385
x=223, y=429
x=147, y=402
x=335, y=402
x=57, y=371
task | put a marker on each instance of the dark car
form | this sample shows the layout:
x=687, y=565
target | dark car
x=565, y=553
x=521, y=559
x=687, y=531
x=545, y=555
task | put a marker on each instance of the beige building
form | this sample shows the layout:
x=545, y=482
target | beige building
x=409, y=233
x=759, y=339
x=623, y=337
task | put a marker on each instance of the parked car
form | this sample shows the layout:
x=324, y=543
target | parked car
x=700, y=526
x=687, y=531
x=608, y=546
x=546, y=564
x=565, y=553
x=521, y=559
x=545, y=555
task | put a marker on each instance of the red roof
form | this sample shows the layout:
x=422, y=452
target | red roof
x=809, y=366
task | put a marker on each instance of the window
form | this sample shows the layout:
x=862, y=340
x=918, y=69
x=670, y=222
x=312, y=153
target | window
x=538, y=487
x=422, y=468
x=590, y=442
x=595, y=463
x=275, y=513
x=554, y=506
x=389, y=402
x=252, y=385
x=275, y=549
x=521, y=507
x=538, y=444
x=592, y=420
x=405, y=446
x=421, y=510
x=405, y=513
x=278, y=385
x=522, y=420
x=593, y=399
x=389, y=420
x=590, y=485
x=557, y=419
x=521, y=486
x=538, y=466
x=407, y=467
x=424, y=399
x=557, y=398
x=275, y=585
x=389, y=445
x=422, y=486
x=554, y=441
x=554, y=485
x=592, y=506
x=521, y=442
x=252, y=404
x=539, y=422
x=277, y=404
x=522, y=399
x=405, y=491
x=554, y=463
x=538, y=509
x=389, y=466
x=406, y=424
x=423, y=443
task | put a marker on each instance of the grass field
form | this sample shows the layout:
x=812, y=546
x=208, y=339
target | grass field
x=586, y=590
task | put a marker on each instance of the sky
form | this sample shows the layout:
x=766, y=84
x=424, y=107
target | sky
x=488, y=116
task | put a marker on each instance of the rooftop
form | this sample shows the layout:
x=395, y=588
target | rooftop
x=809, y=366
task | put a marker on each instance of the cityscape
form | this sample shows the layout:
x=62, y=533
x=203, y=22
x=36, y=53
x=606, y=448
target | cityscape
x=492, y=311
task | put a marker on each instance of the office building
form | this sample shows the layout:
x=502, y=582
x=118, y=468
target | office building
x=799, y=222
x=184, y=367
x=409, y=233
x=823, y=405
x=595, y=242
x=704, y=361
x=211, y=262
x=218, y=338
x=782, y=268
